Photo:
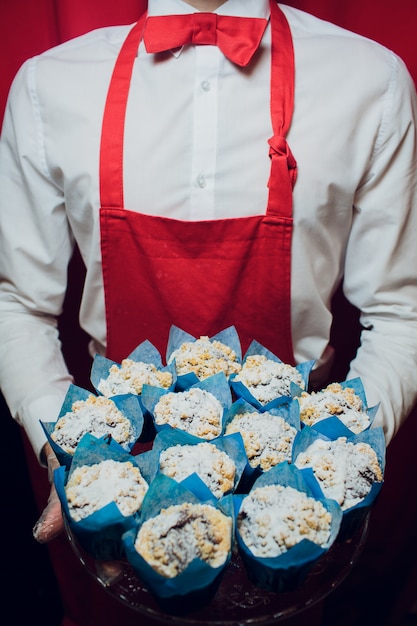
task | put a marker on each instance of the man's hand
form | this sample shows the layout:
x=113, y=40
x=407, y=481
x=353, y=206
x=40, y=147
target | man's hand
x=50, y=524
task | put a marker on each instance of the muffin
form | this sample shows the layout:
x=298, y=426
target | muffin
x=196, y=411
x=96, y=415
x=170, y=541
x=268, y=379
x=274, y=518
x=215, y=468
x=344, y=470
x=205, y=357
x=92, y=487
x=335, y=400
x=130, y=377
x=267, y=438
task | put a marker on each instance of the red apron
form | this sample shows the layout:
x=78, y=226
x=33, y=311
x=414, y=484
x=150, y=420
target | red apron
x=202, y=276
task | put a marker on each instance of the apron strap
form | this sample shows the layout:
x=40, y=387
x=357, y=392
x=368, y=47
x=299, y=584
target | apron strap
x=283, y=165
x=112, y=134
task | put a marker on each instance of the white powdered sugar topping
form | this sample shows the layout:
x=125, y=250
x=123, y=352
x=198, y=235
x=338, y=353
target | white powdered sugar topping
x=181, y=533
x=91, y=487
x=98, y=416
x=215, y=468
x=337, y=401
x=274, y=518
x=345, y=470
x=131, y=376
x=196, y=411
x=267, y=438
x=267, y=379
x=205, y=357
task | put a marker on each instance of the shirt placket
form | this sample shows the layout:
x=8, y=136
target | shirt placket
x=204, y=140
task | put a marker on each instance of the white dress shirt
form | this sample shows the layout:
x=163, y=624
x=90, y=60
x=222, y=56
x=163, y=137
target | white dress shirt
x=196, y=148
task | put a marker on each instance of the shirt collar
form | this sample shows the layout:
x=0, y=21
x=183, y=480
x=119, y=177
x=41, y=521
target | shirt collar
x=236, y=8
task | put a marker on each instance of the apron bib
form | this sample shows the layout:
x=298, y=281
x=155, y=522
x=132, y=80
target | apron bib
x=201, y=276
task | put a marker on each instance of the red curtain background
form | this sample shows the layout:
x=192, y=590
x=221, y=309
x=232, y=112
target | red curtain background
x=28, y=27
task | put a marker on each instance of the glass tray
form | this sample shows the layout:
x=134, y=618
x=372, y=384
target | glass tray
x=237, y=601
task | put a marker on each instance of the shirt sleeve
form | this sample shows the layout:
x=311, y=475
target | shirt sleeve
x=381, y=260
x=35, y=248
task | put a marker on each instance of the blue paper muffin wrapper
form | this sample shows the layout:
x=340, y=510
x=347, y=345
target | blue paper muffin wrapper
x=232, y=445
x=177, y=337
x=199, y=577
x=241, y=405
x=333, y=426
x=241, y=391
x=374, y=437
x=216, y=385
x=144, y=352
x=100, y=534
x=128, y=404
x=286, y=571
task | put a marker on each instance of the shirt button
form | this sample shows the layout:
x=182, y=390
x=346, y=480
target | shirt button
x=205, y=85
x=201, y=181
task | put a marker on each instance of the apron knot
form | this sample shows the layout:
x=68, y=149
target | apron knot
x=278, y=147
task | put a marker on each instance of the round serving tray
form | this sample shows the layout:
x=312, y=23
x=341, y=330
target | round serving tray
x=237, y=601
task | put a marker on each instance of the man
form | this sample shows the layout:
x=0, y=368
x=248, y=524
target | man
x=312, y=164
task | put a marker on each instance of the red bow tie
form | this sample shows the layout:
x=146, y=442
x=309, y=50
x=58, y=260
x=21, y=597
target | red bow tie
x=237, y=37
